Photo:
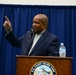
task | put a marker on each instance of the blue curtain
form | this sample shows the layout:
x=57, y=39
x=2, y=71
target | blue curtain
x=62, y=22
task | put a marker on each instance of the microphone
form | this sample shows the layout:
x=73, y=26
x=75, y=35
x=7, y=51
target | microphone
x=32, y=32
x=29, y=40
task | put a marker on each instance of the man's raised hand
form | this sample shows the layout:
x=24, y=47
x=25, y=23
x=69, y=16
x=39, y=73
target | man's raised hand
x=7, y=24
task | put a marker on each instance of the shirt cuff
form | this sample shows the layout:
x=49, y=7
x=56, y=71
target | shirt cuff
x=7, y=32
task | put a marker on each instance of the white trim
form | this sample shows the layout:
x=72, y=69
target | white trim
x=39, y=2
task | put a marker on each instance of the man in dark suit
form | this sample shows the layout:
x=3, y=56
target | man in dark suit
x=38, y=41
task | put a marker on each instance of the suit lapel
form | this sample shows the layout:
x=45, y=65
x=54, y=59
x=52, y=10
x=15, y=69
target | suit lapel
x=30, y=41
x=39, y=41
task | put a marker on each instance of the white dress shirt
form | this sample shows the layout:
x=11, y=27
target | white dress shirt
x=36, y=38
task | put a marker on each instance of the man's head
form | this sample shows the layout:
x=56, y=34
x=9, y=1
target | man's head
x=40, y=23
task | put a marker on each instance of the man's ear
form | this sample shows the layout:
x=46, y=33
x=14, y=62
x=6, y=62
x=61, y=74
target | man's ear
x=44, y=26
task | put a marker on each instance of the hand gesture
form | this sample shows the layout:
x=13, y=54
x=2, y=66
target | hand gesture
x=7, y=24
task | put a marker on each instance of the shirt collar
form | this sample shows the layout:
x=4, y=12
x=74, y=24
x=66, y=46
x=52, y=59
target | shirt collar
x=41, y=32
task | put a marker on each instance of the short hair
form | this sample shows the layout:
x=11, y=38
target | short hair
x=43, y=18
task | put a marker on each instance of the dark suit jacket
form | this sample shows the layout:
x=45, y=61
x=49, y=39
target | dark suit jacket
x=47, y=45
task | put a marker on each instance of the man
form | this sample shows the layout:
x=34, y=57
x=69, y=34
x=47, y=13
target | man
x=38, y=42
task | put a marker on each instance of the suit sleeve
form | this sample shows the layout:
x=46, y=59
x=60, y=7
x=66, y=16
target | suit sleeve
x=53, y=48
x=14, y=41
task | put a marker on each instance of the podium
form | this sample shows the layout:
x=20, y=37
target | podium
x=62, y=65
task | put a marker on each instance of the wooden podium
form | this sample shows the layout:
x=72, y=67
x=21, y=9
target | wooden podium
x=24, y=64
